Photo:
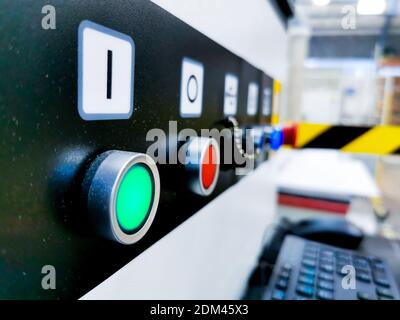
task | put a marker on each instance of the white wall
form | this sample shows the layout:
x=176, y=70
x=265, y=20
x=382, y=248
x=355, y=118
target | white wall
x=248, y=28
x=339, y=91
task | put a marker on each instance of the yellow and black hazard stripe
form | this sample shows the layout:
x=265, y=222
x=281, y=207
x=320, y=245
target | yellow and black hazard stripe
x=380, y=140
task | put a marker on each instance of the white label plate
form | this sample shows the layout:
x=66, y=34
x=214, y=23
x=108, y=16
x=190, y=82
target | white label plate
x=191, y=97
x=105, y=73
x=231, y=94
x=252, y=99
x=266, y=104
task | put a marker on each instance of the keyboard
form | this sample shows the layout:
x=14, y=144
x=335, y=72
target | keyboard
x=308, y=270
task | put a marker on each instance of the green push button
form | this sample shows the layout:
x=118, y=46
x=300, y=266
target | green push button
x=123, y=195
x=134, y=198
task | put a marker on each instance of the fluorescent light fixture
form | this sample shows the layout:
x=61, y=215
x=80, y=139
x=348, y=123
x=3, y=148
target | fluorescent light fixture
x=321, y=3
x=371, y=7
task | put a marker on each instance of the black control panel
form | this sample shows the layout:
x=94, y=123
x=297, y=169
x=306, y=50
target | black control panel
x=83, y=86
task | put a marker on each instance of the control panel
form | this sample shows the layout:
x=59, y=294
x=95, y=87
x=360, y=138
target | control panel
x=116, y=126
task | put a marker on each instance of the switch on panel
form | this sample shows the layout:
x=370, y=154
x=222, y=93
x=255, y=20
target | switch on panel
x=123, y=190
x=267, y=136
x=231, y=94
x=202, y=157
x=252, y=99
x=234, y=138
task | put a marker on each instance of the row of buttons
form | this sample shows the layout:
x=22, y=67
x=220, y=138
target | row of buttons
x=105, y=91
x=325, y=284
x=106, y=79
x=304, y=287
x=282, y=283
x=364, y=266
x=316, y=278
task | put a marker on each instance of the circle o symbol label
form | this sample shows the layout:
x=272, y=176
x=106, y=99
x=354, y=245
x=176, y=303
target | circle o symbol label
x=192, y=88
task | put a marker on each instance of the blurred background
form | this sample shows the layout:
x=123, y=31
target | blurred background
x=344, y=62
x=344, y=69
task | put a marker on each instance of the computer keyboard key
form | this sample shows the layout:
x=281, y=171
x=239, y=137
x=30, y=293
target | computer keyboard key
x=343, y=262
x=378, y=274
x=310, y=256
x=326, y=276
x=361, y=265
x=311, y=246
x=324, y=261
x=327, y=261
x=342, y=272
x=386, y=293
x=364, y=296
x=362, y=270
x=309, y=263
x=324, y=295
x=311, y=249
x=308, y=271
x=301, y=298
x=326, y=285
x=307, y=280
x=382, y=282
x=284, y=274
x=374, y=259
x=327, y=252
x=287, y=267
x=360, y=259
x=364, y=277
x=305, y=290
x=278, y=295
x=327, y=268
x=378, y=267
x=343, y=255
x=282, y=284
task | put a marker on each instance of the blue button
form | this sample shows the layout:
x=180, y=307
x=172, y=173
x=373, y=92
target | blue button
x=276, y=138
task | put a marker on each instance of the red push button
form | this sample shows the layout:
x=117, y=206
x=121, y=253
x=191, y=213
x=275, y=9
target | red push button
x=208, y=167
x=290, y=135
x=202, y=164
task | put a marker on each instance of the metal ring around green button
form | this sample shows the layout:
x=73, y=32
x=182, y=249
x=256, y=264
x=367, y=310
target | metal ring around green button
x=123, y=195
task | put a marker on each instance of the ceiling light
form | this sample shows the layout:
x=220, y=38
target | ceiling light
x=321, y=2
x=371, y=7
